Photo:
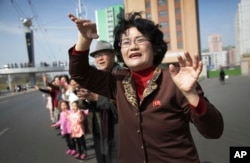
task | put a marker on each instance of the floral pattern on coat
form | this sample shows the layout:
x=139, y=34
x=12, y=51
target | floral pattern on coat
x=77, y=128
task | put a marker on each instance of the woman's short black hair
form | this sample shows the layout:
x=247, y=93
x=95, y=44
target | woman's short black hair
x=147, y=27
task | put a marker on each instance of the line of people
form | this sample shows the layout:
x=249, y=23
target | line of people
x=77, y=111
x=66, y=115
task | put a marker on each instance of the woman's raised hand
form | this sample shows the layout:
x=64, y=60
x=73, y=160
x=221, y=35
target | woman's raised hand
x=87, y=32
x=86, y=28
x=188, y=74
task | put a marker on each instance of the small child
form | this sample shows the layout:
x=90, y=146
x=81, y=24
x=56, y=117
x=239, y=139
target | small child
x=65, y=126
x=49, y=106
x=78, y=131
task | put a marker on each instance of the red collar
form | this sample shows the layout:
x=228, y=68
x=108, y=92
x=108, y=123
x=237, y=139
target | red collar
x=141, y=79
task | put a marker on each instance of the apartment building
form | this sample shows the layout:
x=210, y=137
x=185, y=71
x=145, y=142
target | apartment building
x=215, y=43
x=106, y=20
x=179, y=21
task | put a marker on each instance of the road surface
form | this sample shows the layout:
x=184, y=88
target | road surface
x=26, y=135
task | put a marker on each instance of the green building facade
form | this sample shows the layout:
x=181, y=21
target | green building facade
x=106, y=20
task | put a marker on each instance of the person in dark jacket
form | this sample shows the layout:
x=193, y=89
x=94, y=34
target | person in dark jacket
x=93, y=119
x=104, y=56
x=53, y=89
x=155, y=105
x=104, y=108
x=222, y=76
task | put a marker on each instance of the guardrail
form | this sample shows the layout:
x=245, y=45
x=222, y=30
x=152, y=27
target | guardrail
x=32, y=70
x=4, y=93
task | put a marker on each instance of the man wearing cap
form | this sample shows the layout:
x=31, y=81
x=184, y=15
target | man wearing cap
x=105, y=60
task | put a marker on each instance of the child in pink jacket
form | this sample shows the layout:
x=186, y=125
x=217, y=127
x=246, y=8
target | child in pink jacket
x=65, y=126
x=77, y=130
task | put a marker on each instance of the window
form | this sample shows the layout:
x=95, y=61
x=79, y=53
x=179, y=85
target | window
x=163, y=13
x=180, y=45
x=148, y=16
x=169, y=46
x=162, y=2
x=147, y=5
x=179, y=34
x=166, y=36
x=177, y=11
x=178, y=22
x=163, y=24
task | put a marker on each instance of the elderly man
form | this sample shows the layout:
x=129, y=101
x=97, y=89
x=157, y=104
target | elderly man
x=105, y=60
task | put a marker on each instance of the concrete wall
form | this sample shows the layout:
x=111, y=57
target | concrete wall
x=245, y=67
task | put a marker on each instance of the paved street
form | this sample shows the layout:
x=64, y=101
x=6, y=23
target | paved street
x=26, y=136
x=232, y=99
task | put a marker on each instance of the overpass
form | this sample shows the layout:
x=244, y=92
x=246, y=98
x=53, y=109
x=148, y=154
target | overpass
x=27, y=70
x=31, y=71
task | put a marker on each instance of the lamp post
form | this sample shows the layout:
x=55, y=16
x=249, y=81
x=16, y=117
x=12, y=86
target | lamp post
x=27, y=23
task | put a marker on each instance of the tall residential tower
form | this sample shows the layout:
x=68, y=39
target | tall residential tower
x=106, y=20
x=242, y=28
